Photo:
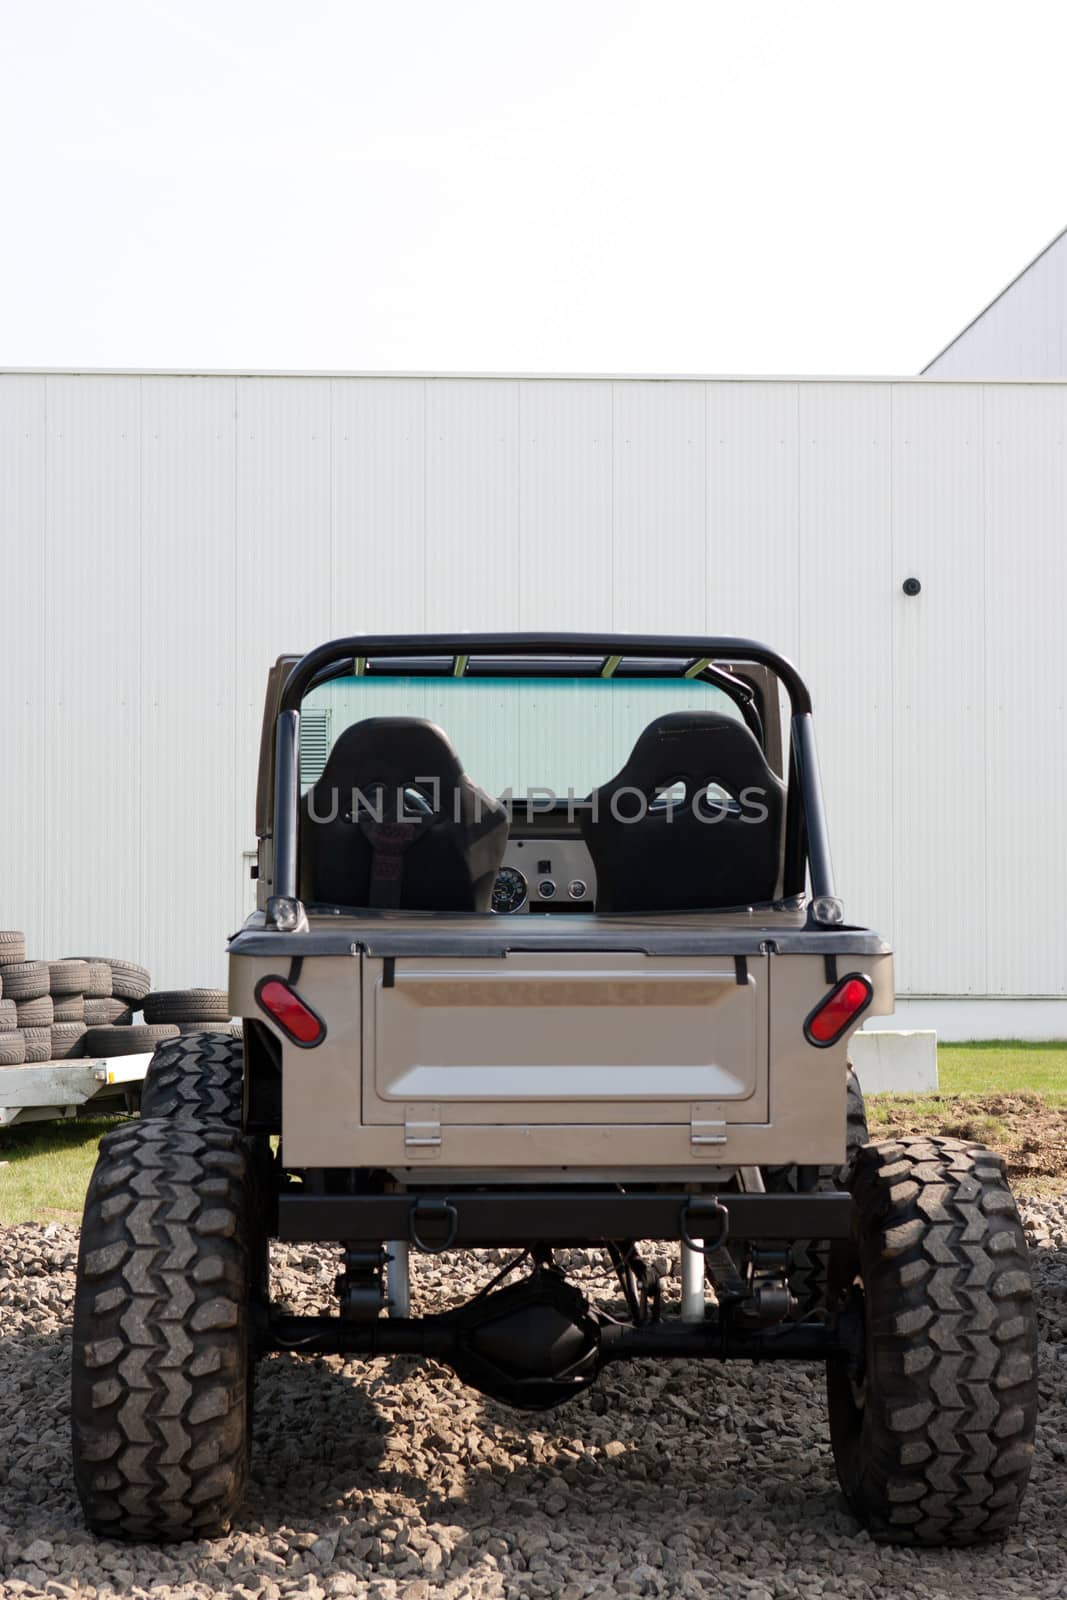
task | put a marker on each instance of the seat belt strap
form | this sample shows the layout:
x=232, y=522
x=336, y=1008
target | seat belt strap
x=390, y=842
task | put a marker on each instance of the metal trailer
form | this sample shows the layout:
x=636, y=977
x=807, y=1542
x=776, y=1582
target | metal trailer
x=58, y=1090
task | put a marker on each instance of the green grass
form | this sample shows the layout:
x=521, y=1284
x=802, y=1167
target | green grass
x=1003, y=1066
x=977, y=1071
x=49, y=1163
x=48, y=1169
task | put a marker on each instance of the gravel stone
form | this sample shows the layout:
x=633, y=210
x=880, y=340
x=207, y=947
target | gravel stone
x=387, y=1480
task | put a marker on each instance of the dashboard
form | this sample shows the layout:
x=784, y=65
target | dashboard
x=544, y=873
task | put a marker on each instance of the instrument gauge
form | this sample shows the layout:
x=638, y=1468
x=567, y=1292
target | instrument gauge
x=509, y=891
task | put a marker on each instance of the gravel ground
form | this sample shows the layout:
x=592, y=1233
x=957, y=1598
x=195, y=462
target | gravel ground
x=391, y=1480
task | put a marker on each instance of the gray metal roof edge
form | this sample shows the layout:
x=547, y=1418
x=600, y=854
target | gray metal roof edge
x=520, y=377
x=987, y=308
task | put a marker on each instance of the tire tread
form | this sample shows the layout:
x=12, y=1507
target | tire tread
x=161, y=1369
x=196, y=1078
x=946, y=1434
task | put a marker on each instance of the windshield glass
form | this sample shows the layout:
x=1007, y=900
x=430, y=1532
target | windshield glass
x=512, y=735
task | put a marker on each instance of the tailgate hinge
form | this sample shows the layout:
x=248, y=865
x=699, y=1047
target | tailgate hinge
x=707, y=1128
x=422, y=1132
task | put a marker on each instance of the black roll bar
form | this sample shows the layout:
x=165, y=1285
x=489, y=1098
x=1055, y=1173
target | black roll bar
x=611, y=646
x=677, y=647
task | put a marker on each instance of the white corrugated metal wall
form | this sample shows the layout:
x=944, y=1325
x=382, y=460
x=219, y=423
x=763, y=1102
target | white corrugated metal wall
x=165, y=537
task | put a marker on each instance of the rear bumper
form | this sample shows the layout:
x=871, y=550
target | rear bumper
x=461, y=1219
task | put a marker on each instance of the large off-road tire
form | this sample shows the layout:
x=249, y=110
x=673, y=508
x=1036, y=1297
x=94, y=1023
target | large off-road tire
x=810, y=1257
x=199, y=1079
x=162, y=1369
x=932, y=1422
x=196, y=1078
x=12, y=947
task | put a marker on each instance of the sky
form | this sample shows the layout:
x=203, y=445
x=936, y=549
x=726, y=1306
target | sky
x=455, y=185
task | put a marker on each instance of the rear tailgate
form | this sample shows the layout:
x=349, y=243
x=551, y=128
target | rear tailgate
x=551, y=1038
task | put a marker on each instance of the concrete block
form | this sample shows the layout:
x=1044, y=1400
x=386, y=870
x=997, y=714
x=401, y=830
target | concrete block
x=895, y=1061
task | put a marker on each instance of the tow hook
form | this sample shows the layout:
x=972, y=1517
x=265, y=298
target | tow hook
x=694, y=1228
x=438, y=1213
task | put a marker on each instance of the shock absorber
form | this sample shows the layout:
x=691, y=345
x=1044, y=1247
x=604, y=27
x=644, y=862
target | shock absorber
x=360, y=1286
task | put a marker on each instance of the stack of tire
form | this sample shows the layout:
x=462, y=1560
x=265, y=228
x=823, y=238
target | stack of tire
x=59, y=1010
x=12, y=1044
x=42, y=1006
x=85, y=1006
x=110, y=1026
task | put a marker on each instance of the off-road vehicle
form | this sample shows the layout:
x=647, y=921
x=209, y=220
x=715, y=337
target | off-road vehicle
x=572, y=973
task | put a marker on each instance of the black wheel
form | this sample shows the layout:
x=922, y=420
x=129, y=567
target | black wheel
x=196, y=1078
x=810, y=1257
x=163, y=1312
x=932, y=1417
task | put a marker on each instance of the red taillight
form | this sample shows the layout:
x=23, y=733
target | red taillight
x=842, y=1005
x=292, y=1015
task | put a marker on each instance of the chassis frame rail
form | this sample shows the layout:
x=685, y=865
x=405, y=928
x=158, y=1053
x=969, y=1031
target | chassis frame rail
x=457, y=1219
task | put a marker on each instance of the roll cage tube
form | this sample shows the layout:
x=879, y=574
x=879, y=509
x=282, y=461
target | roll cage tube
x=612, y=647
x=740, y=691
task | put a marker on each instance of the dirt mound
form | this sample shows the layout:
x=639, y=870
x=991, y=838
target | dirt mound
x=1027, y=1130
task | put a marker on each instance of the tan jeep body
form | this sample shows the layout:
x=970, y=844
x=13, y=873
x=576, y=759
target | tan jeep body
x=559, y=1045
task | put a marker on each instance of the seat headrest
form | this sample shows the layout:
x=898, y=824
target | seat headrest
x=688, y=745
x=394, y=821
x=391, y=751
x=717, y=845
